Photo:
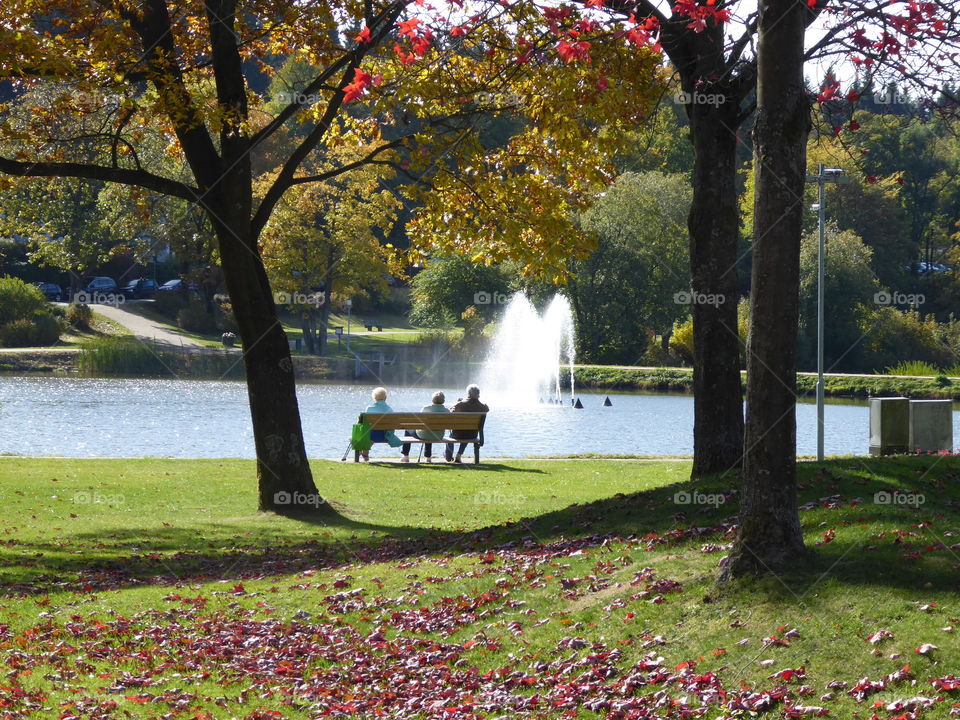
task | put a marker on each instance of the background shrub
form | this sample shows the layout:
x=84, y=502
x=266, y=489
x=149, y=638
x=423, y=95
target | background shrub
x=18, y=300
x=79, y=315
x=892, y=335
x=681, y=342
x=46, y=328
x=195, y=318
x=26, y=318
x=914, y=368
x=169, y=304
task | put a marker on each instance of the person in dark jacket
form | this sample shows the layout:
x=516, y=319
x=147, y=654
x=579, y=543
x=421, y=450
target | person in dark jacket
x=471, y=404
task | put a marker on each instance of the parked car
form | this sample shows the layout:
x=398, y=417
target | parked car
x=177, y=286
x=51, y=291
x=139, y=288
x=101, y=285
x=926, y=267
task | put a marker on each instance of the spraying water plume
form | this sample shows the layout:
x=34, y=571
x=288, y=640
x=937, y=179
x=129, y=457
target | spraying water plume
x=529, y=353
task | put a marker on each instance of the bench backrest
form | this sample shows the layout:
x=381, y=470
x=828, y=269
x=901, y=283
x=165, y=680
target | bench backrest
x=424, y=421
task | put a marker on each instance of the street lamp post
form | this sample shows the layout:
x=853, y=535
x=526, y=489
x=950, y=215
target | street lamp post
x=823, y=176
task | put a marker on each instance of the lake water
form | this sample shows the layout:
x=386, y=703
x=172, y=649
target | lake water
x=86, y=417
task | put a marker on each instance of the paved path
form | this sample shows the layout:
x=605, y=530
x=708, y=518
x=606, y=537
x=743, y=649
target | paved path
x=144, y=328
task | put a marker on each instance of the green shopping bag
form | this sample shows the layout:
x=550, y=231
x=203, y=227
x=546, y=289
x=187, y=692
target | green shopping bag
x=360, y=437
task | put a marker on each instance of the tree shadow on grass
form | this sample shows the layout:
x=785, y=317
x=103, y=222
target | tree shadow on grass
x=656, y=518
x=443, y=466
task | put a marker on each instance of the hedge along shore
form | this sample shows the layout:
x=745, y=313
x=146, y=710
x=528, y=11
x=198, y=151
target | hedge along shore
x=680, y=380
x=199, y=364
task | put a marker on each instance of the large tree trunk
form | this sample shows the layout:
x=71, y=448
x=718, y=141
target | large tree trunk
x=769, y=537
x=283, y=472
x=713, y=225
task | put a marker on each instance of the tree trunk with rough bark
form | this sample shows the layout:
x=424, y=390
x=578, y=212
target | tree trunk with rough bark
x=713, y=225
x=284, y=478
x=769, y=537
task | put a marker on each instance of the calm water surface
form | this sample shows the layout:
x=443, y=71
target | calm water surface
x=84, y=417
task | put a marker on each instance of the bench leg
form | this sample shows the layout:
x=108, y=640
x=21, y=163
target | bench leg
x=356, y=456
x=476, y=454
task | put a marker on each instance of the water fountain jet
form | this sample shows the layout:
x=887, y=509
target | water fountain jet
x=528, y=354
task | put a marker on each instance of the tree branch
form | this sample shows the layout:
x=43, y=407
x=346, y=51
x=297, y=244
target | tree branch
x=124, y=176
x=369, y=158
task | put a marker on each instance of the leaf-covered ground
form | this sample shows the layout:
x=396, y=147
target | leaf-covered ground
x=528, y=589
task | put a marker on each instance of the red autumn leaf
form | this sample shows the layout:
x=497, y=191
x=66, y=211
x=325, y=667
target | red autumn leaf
x=948, y=682
x=575, y=51
x=878, y=636
x=364, y=37
x=788, y=674
x=350, y=93
x=408, y=28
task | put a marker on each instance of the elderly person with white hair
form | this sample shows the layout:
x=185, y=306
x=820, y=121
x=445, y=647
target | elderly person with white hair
x=471, y=404
x=436, y=406
x=379, y=396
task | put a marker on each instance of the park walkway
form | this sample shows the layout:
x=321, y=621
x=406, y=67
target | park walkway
x=145, y=328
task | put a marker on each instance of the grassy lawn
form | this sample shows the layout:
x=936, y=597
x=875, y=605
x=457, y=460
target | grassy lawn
x=565, y=588
x=100, y=326
x=396, y=331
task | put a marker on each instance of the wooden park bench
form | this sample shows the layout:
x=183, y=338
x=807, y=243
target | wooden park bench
x=371, y=326
x=437, y=422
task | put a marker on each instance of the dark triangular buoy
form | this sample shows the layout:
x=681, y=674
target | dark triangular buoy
x=578, y=405
x=606, y=402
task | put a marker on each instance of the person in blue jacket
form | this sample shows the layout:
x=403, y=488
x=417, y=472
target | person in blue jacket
x=436, y=406
x=379, y=396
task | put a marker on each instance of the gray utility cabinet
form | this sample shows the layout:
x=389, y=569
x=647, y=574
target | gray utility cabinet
x=931, y=425
x=900, y=425
x=889, y=426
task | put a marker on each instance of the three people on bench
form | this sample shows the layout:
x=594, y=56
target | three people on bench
x=471, y=404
